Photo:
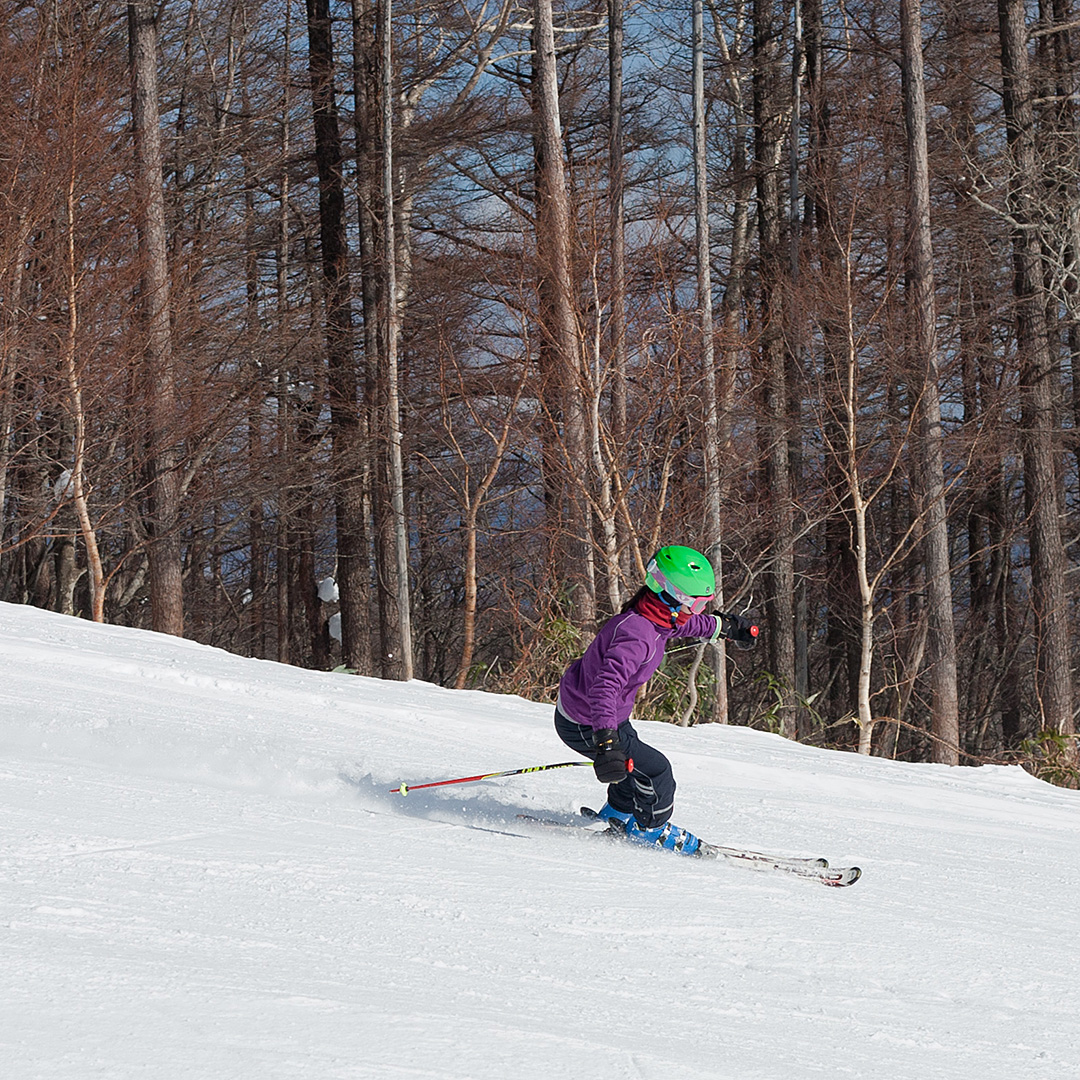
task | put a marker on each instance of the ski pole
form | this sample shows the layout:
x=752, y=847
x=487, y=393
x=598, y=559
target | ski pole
x=404, y=789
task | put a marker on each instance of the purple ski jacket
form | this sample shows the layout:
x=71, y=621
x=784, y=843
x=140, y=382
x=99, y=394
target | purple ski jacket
x=599, y=687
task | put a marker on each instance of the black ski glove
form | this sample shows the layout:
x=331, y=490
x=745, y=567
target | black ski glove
x=610, y=762
x=741, y=631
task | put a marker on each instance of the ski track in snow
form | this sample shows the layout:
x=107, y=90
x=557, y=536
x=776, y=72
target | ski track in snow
x=204, y=875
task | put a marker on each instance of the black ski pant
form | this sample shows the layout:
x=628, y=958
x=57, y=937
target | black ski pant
x=648, y=792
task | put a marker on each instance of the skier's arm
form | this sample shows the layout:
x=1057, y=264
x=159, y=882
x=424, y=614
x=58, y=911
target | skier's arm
x=738, y=629
x=622, y=667
x=743, y=632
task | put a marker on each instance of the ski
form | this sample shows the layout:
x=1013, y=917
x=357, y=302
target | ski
x=809, y=868
x=718, y=851
x=813, y=869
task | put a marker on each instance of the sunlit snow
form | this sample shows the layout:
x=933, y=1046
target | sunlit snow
x=204, y=875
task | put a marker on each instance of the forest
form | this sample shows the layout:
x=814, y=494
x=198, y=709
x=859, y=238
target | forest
x=393, y=338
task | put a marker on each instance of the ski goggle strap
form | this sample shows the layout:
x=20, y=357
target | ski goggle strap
x=697, y=604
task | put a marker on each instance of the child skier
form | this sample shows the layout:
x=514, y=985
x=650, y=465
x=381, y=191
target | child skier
x=596, y=694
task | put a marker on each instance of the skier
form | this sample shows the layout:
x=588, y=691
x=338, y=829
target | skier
x=596, y=694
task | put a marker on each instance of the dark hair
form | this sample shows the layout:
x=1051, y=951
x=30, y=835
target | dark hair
x=633, y=601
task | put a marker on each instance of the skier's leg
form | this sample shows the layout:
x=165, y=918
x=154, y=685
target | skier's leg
x=654, y=799
x=641, y=803
x=651, y=785
x=579, y=737
x=648, y=792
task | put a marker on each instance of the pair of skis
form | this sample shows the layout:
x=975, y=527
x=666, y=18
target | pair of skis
x=812, y=869
x=815, y=869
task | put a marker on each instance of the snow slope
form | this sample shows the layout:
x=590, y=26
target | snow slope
x=204, y=875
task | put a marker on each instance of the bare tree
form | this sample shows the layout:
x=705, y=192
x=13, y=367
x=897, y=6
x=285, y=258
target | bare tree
x=773, y=262
x=1049, y=595
x=157, y=396
x=617, y=244
x=391, y=337
x=77, y=488
x=711, y=432
x=559, y=322
x=347, y=444
x=922, y=311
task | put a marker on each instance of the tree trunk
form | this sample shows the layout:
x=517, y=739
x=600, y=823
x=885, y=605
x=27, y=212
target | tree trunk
x=843, y=638
x=734, y=294
x=9, y=329
x=1041, y=488
x=347, y=449
x=560, y=324
x=616, y=227
x=711, y=433
x=160, y=400
x=379, y=255
x=922, y=321
x=768, y=138
x=732, y=309
x=391, y=335
x=849, y=381
x=617, y=242
x=796, y=350
x=473, y=503
x=77, y=488
x=283, y=556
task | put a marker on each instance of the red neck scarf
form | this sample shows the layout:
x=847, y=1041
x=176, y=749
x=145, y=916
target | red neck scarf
x=656, y=611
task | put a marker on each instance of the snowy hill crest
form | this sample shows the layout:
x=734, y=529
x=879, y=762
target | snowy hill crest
x=204, y=874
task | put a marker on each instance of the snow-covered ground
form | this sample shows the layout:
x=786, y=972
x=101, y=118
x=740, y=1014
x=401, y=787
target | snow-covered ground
x=204, y=875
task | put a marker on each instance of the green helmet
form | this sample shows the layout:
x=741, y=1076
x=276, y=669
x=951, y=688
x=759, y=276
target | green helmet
x=683, y=574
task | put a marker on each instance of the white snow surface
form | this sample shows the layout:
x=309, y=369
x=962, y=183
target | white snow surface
x=204, y=874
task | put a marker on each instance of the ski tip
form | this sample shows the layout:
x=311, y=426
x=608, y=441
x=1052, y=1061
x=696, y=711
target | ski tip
x=842, y=878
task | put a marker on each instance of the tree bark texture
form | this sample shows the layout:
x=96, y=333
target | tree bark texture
x=1041, y=485
x=159, y=397
x=391, y=317
x=768, y=139
x=717, y=657
x=347, y=448
x=562, y=384
x=922, y=321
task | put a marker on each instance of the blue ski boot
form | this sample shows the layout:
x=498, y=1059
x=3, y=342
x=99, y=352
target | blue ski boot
x=616, y=818
x=666, y=836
